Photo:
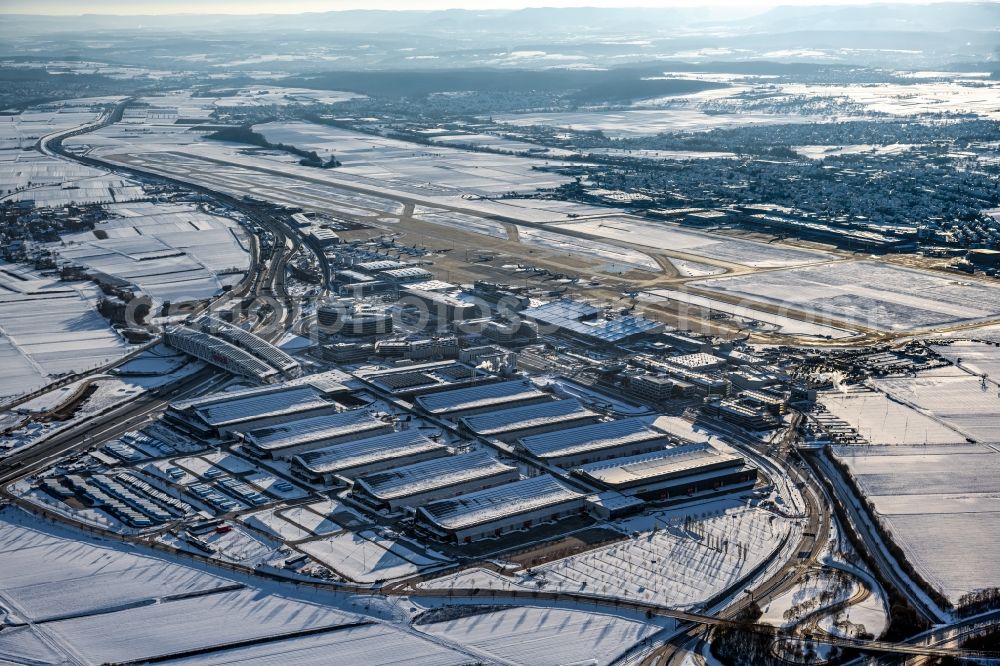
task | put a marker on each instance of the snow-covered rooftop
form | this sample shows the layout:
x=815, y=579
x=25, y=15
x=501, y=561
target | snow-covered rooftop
x=531, y=416
x=312, y=429
x=474, y=397
x=592, y=437
x=256, y=406
x=658, y=464
x=503, y=501
x=340, y=457
x=439, y=473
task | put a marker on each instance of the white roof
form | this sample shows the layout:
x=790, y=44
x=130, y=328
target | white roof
x=523, y=418
x=340, y=457
x=483, y=395
x=313, y=429
x=658, y=464
x=439, y=473
x=257, y=406
x=593, y=437
x=510, y=499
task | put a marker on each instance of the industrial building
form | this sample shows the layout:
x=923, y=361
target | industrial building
x=221, y=414
x=405, y=275
x=684, y=471
x=219, y=353
x=591, y=443
x=324, y=237
x=497, y=511
x=508, y=425
x=251, y=343
x=423, y=378
x=440, y=307
x=415, y=485
x=334, y=464
x=290, y=438
x=587, y=323
x=484, y=398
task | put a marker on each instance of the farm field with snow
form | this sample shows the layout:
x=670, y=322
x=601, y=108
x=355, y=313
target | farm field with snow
x=366, y=644
x=662, y=236
x=980, y=358
x=543, y=636
x=955, y=397
x=176, y=253
x=104, y=602
x=401, y=163
x=868, y=293
x=48, y=328
x=883, y=421
x=941, y=505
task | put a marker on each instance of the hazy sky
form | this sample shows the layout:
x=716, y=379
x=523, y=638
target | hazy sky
x=73, y=7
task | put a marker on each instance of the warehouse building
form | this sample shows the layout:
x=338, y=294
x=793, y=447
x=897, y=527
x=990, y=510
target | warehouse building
x=416, y=485
x=423, y=378
x=684, y=471
x=405, y=275
x=334, y=465
x=221, y=414
x=290, y=438
x=219, y=353
x=440, y=307
x=591, y=443
x=497, y=511
x=509, y=425
x=483, y=398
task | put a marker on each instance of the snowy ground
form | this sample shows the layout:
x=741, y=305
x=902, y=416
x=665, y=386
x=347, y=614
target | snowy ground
x=950, y=492
x=104, y=602
x=957, y=398
x=582, y=247
x=662, y=236
x=543, y=636
x=365, y=557
x=883, y=421
x=692, y=555
x=785, y=325
x=172, y=253
x=48, y=328
x=868, y=293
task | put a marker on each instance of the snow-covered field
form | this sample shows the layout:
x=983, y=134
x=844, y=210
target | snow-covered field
x=173, y=254
x=401, y=163
x=119, y=604
x=366, y=645
x=582, y=247
x=978, y=357
x=882, y=421
x=785, y=325
x=48, y=328
x=941, y=504
x=543, y=636
x=868, y=293
x=662, y=236
x=958, y=398
x=365, y=557
x=48, y=576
